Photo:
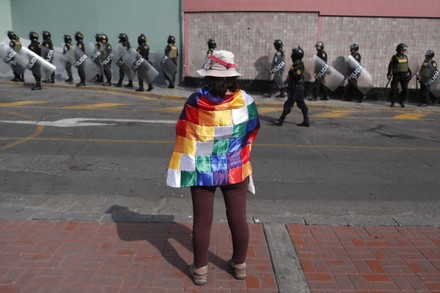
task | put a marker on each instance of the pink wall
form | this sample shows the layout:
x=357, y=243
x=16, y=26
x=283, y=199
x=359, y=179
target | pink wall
x=378, y=8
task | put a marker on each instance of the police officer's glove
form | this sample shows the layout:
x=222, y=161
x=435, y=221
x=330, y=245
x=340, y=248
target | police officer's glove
x=408, y=75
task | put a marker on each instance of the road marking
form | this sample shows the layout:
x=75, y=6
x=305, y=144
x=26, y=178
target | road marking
x=93, y=106
x=21, y=103
x=334, y=114
x=267, y=110
x=39, y=130
x=410, y=116
x=81, y=122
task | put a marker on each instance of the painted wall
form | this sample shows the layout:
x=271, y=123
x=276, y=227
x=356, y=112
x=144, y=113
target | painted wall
x=156, y=19
x=5, y=17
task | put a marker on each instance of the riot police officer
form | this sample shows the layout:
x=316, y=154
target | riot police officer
x=68, y=46
x=15, y=44
x=399, y=71
x=211, y=46
x=48, y=44
x=106, y=58
x=429, y=66
x=79, y=37
x=35, y=47
x=295, y=89
x=351, y=88
x=277, y=70
x=318, y=86
x=96, y=58
x=123, y=40
x=144, y=50
x=172, y=53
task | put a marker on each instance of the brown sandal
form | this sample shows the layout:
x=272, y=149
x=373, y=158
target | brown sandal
x=238, y=270
x=199, y=275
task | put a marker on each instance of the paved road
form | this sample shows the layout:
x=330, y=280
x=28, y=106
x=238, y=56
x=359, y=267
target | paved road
x=73, y=153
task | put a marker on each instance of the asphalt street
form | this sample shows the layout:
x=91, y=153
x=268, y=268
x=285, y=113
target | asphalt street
x=69, y=153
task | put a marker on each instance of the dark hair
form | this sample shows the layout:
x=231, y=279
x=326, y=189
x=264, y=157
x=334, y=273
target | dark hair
x=218, y=86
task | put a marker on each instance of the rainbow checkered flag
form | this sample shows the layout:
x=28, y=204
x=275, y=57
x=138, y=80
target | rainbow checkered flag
x=213, y=140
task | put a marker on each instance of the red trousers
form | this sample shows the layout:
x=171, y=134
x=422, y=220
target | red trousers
x=203, y=213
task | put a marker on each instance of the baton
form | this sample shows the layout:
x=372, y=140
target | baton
x=389, y=80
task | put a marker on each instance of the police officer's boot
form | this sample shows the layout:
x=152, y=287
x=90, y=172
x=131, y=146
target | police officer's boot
x=282, y=94
x=119, y=83
x=279, y=121
x=37, y=85
x=16, y=77
x=21, y=77
x=129, y=84
x=150, y=87
x=306, y=121
x=141, y=86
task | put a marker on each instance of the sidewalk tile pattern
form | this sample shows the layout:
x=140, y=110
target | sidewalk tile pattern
x=73, y=256
x=368, y=259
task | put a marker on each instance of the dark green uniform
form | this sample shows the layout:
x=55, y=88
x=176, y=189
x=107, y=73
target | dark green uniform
x=18, y=71
x=425, y=73
x=399, y=71
x=47, y=43
x=35, y=47
x=144, y=50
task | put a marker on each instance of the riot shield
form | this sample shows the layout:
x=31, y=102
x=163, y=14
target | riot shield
x=59, y=60
x=120, y=59
x=330, y=77
x=141, y=66
x=431, y=79
x=358, y=75
x=79, y=59
x=95, y=56
x=11, y=59
x=32, y=59
x=414, y=66
x=168, y=66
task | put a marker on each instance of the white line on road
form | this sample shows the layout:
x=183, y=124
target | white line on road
x=81, y=122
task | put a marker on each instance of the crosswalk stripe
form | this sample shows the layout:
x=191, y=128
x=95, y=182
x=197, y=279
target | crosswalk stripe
x=93, y=106
x=409, y=116
x=21, y=103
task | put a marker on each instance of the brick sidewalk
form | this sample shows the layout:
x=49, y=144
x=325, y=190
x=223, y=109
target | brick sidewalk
x=369, y=259
x=65, y=256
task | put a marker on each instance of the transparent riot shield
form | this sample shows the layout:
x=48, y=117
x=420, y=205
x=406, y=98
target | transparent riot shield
x=414, y=66
x=95, y=56
x=79, y=59
x=10, y=58
x=431, y=79
x=168, y=66
x=358, y=75
x=59, y=60
x=140, y=66
x=330, y=77
x=45, y=68
x=120, y=57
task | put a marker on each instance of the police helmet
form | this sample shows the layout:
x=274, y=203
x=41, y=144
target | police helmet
x=401, y=47
x=33, y=36
x=79, y=36
x=211, y=44
x=429, y=54
x=98, y=37
x=354, y=47
x=171, y=39
x=319, y=45
x=297, y=53
x=123, y=37
x=46, y=35
x=12, y=35
x=142, y=39
x=67, y=39
x=103, y=37
x=278, y=44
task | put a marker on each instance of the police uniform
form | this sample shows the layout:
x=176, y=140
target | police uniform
x=35, y=47
x=172, y=53
x=426, y=71
x=277, y=70
x=81, y=71
x=318, y=86
x=144, y=50
x=106, y=58
x=96, y=58
x=123, y=39
x=15, y=44
x=351, y=88
x=48, y=44
x=295, y=89
x=398, y=70
x=211, y=46
x=68, y=46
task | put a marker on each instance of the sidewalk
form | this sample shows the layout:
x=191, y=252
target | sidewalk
x=152, y=256
x=80, y=256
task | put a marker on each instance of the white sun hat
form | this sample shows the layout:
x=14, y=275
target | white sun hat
x=219, y=64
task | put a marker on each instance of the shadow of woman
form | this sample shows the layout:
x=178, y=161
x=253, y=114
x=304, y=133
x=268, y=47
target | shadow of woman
x=172, y=241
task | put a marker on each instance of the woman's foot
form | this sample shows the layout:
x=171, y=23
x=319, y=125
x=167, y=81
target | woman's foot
x=199, y=275
x=238, y=270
